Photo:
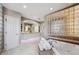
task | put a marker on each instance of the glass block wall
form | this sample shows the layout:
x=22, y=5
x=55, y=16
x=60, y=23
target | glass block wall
x=67, y=22
x=1, y=29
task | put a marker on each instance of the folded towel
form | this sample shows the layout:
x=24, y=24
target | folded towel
x=44, y=44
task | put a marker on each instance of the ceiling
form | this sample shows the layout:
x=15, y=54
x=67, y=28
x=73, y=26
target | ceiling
x=35, y=11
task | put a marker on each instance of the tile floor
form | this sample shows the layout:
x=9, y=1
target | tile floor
x=23, y=49
x=27, y=47
x=47, y=52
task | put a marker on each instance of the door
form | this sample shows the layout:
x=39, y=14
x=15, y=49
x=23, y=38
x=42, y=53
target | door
x=12, y=32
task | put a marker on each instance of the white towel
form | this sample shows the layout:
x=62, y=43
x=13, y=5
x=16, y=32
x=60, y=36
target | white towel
x=44, y=44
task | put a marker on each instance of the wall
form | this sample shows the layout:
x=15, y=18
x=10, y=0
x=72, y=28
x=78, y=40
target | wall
x=70, y=16
x=57, y=27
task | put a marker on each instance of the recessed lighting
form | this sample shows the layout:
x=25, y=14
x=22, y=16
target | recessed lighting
x=24, y=6
x=51, y=8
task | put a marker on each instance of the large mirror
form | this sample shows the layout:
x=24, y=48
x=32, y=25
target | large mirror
x=29, y=26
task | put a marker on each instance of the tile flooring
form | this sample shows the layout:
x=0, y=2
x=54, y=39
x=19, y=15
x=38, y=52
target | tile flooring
x=24, y=49
x=28, y=47
x=47, y=52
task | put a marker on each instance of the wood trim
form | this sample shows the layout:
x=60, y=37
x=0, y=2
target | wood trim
x=66, y=37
